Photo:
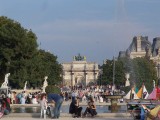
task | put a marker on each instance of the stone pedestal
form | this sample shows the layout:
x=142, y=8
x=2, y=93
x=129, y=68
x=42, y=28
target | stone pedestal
x=114, y=101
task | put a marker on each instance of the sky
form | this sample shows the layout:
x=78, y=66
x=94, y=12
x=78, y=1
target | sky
x=97, y=29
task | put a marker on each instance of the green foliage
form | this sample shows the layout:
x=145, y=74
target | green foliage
x=145, y=72
x=17, y=45
x=141, y=71
x=52, y=89
x=126, y=89
x=20, y=56
x=107, y=76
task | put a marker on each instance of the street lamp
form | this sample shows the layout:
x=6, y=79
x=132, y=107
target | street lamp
x=113, y=86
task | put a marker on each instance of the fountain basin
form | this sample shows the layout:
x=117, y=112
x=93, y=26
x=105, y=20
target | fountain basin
x=64, y=109
x=114, y=101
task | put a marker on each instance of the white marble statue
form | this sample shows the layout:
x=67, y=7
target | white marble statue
x=45, y=84
x=154, y=83
x=5, y=83
x=127, y=79
x=25, y=86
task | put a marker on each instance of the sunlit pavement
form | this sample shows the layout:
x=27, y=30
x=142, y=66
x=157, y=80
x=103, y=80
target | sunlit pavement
x=66, y=118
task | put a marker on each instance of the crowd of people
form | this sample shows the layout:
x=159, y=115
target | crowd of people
x=75, y=95
x=93, y=91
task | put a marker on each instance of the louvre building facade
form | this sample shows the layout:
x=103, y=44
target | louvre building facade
x=142, y=47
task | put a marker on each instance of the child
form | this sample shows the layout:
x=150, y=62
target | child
x=43, y=105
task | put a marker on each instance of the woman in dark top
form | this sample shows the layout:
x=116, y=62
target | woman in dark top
x=75, y=108
x=91, y=108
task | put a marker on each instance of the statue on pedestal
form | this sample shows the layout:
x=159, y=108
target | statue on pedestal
x=45, y=84
x=127, y=80
x=25, y=86
x=154, y=83
x=5, y=83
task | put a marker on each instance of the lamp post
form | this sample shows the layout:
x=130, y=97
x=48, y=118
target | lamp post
x=113, y=87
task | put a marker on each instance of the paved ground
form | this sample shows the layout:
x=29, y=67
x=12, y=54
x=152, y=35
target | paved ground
x=67, y=118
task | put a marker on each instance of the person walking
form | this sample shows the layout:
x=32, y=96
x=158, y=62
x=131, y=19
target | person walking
x=57, y=99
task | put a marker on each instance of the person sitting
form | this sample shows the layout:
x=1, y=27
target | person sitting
x=91, y=108
x=75, y=108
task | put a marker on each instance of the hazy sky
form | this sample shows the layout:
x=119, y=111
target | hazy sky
x=97, y=29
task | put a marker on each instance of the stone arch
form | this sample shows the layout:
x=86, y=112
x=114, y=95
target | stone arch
x=79, y=79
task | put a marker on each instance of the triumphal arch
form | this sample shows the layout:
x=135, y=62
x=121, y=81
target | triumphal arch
x=79, y=72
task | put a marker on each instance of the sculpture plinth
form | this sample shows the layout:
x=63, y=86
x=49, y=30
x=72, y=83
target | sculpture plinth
x=114, y=101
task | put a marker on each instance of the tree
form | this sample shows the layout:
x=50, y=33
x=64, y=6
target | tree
x=107, y=76
x=16, y=46
x=145, y=72
x=53, y=89
x=141, y=71
x=46, y=64
x=20, y=56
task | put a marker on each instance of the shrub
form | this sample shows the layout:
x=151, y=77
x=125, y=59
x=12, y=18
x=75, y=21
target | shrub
x=52, y=89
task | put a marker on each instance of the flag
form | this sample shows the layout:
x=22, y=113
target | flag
x=139, y=93
x=145, y=93
x=142, y=93
x=153, y=94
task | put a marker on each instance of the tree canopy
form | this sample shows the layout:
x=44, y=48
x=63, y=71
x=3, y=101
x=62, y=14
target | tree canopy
x=20, y=56
x=141, y=71
x=107, y=76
